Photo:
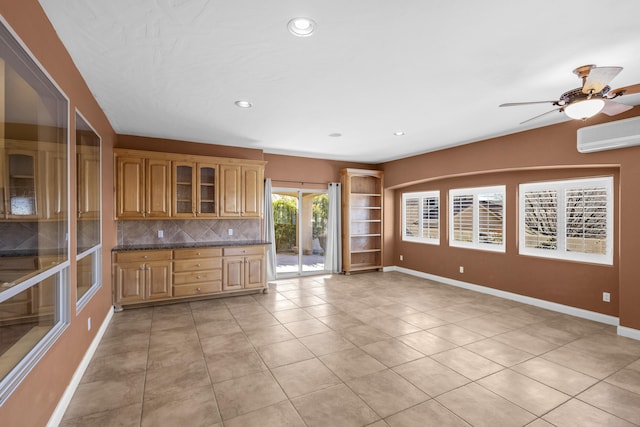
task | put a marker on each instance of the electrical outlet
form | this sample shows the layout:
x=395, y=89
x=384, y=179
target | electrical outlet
x=606, y=297
x=231, y=232
x=401, y=257
x=160, y=234
x=461, y=269
x=88, y=323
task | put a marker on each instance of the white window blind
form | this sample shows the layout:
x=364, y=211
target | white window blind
x=568, y=219
x=421, y=217
x=476, y=218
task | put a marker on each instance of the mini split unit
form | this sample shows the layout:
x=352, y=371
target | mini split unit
x=609, y=136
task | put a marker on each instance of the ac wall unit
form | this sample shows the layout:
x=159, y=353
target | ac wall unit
x=609, y=136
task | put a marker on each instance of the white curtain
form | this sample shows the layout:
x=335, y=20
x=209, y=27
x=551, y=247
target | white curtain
x=333, y=253
x=269, y=231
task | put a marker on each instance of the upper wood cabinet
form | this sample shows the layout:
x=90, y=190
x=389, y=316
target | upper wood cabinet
x=166, y=185
x=194, y=190
x=143, y=187
x=241, y=190
x=88, y=180
x=21, y=184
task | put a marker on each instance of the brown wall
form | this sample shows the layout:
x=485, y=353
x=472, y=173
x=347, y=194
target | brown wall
x=34, y=400
x=302, y=172
x=540, y=154
x=186, y=147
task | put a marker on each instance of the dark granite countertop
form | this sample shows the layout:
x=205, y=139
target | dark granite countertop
x=219, y=244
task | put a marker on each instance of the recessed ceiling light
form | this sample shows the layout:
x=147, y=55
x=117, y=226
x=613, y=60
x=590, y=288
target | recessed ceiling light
x=399, y=133
x=243, y=104
x=301, y=27
x=335, y=135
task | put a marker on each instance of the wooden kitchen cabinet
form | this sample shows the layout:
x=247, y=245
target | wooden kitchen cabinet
x=21, y=184
x=54, y=181
x=143, y=187
x=197, y=271
x=142, y=276
x=88, y=179
x=194, y=190
x=243, y=268
x=156, y=185
x=241, y=190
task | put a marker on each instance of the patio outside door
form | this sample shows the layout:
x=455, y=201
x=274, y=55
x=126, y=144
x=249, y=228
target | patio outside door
x=300, y=222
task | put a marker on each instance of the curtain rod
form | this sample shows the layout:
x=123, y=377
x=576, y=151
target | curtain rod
x=303, y=182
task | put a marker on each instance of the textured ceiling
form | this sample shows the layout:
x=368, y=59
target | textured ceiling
x=436, y=70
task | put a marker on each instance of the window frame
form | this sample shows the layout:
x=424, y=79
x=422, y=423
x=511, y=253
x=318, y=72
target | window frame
x=96, y=250
x=21, y=370
x=421, y=196
x=561, y=252
x=476, y=243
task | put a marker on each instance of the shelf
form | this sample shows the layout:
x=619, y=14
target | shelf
x=366, y=194
x=366, y=207
x=366, y=220
x=356, y=267
x=365, y=251
x=366, y=235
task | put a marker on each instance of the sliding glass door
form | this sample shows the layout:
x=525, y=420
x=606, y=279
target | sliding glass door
x=300, y=223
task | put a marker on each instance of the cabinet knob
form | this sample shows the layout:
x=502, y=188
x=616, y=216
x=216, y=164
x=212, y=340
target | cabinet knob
x=197, y=265
x=144, y=256
x=198, y=255
x=197, y=277
x=198, y=289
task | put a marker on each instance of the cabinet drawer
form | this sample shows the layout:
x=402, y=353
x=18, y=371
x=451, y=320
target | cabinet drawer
x=197, y=289
x=244, y=250
x=196, y=277
x=143, y=256
x=186, y=265
x=197, y=253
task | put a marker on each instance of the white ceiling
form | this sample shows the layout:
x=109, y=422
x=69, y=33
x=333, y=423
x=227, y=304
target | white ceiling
x=436, y=70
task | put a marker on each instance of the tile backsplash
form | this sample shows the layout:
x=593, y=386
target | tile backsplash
x=187, y=231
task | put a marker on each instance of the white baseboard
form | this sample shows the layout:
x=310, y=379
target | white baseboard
x=63, y=404
x=629, y=332
x=561, y=308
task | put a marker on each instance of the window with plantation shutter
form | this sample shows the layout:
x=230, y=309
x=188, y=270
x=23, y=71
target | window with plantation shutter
x=476, y=218
x=421, y=217
x=570, y=220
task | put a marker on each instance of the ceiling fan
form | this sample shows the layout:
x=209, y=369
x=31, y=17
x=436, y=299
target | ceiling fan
x=593, y=97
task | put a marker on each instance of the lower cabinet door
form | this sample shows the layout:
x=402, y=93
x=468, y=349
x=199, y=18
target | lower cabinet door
x=232, y=273
x=158, y=279
x=254, y=272
x=129, y=282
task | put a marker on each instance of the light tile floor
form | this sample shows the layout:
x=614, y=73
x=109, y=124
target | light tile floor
x=379, y=349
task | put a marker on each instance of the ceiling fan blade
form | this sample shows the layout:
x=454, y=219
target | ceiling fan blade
x=598, y=78
x=627, y=90
x=612, y=108
x=540, y=115
x=513, y=104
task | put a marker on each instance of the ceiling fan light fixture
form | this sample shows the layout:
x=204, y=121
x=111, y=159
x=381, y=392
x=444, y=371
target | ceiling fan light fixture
x=582, y=110
x=301, y=27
